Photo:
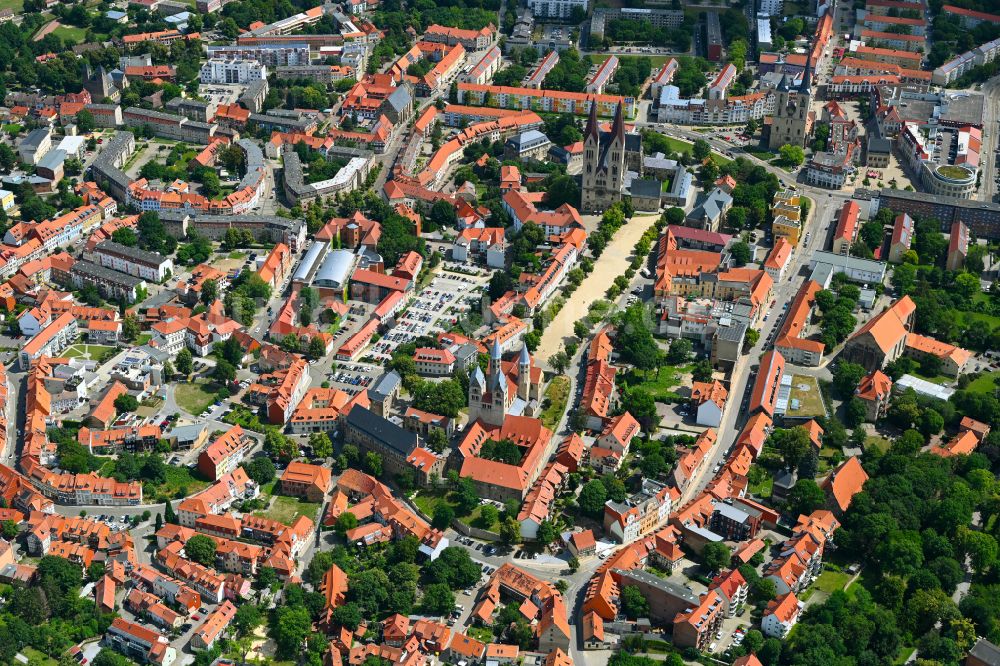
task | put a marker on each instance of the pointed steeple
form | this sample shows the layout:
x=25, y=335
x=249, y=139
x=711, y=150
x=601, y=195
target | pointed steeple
x=618, y=128
x=804, y=87
x=525, y=359
x=478, y=379
x=592, y=129
x=495, y=352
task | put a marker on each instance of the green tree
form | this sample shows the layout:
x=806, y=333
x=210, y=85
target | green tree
x=321, y=445
x=633, y=603
x=716, y=556
x=443, y=515
x=184, y=362
x=317, y=348
x=847, y=377
x=126, y=403
x=224, y=372
x=260, y=470
x=855, y=412
x=130, y=327
x=201, y=548
x=346, y=522
x=547, y=533
x=701, y=150
x=125, y=236
x=248, y=617
x=592, y=498
x=741, y=253
x=347, y=615
x=438, y=599
x=792, y=155
x=805, y=497
x=289, y=629
x=639, y=403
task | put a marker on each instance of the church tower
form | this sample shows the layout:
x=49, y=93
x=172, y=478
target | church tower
x=790, y=123
x=524, y=375
x=591, y=149
x=603, y=162
x=489, y=396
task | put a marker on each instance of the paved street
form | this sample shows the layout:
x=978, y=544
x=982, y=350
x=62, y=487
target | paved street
x=988, y=187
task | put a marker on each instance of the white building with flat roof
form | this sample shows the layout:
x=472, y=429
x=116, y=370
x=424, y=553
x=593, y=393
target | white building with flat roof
x=219, y=70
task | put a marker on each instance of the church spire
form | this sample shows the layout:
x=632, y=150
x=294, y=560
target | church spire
x=804, y=87
x=592, y=129
x=618, y=128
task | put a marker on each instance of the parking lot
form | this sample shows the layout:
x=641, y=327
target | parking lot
x=220, y=94
x=438, y=307
x=353, y=377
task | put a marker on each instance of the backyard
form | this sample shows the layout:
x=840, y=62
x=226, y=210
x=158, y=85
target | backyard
x=70, y=33
x=89, y=352
x=194, y=397
x=805, y=399
x=181, y=483
x=555, y=401
x=427, y=501
x=985, y=383
x=659, y=383
x=287, y=509
x=679, y=146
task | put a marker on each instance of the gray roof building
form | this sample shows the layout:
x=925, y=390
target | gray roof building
x=984, y=653
x=381, y=430
x=387, y=385
x=646, y=188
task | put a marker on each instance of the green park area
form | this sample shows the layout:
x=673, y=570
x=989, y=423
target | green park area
x=88, y=352
x=286, y=510
x=194, y=397
x=554, y=406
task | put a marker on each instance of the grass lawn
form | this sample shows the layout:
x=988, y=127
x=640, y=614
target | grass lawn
x=143, y=339
x=193, y=397
x=903, y=656
x=69, y=32
x=16, y=5
x=555, y=400
x=36, y=657
x=92, y=352
x=830, y=581
x=237, y=255
x=656, y=62
x=985, y=383
x=181, y=479
x=287, y=509
x=427, y=501
x=660, y=383
x=805, y=390
x=935, y=379
x=764, y=488
x=880, y=444
x=983, y=318
x=480, y=634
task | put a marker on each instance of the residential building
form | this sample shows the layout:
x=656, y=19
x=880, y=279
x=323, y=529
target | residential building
x=140, y=643
x=883, y=339
x=140, y=263
x=781, y=614
x=311, y=482
x=224, y=454
x=902, y=237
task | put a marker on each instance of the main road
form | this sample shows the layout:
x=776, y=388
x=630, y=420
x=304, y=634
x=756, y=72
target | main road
x=987, y=157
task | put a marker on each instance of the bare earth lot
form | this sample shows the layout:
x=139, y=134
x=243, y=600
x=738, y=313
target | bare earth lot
x=612, y=263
